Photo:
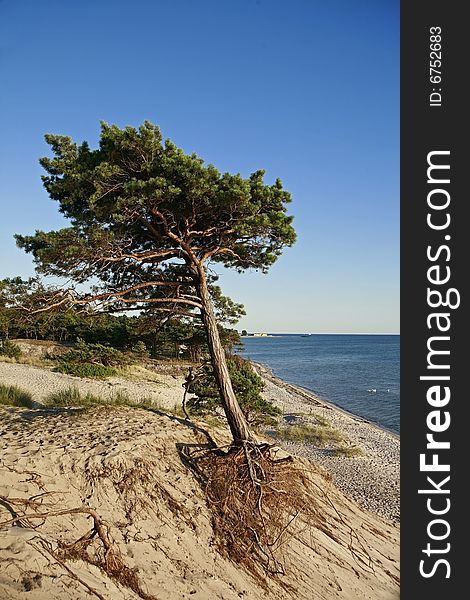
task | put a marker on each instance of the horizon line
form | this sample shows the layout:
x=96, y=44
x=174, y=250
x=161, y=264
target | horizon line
x=323, y=333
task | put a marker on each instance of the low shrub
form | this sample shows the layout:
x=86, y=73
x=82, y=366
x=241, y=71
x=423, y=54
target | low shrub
x=10, y=349
x=247, y=386
x=96, y=354
x=140, y=349
x=11, y=395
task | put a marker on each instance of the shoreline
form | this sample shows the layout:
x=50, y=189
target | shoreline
x=372, y=479
x=313, y=397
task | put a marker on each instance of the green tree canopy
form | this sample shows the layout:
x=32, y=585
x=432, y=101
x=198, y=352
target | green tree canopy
x=146, y=220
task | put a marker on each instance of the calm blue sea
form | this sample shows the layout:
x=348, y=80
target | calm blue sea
x=342, y=369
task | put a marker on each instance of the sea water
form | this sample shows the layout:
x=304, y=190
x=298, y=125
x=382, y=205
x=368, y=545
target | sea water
x=359, y=373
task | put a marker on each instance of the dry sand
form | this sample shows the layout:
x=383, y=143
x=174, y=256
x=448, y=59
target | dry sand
x=124, y=463
x=161, y=389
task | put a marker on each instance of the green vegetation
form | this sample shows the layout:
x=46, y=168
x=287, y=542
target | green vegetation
x=96, y=354
x=321, y=435
x=140, y=350
x=316, y=435
x=247, y=386
x=321, y=420
x=9, y=349
x=148, y=334
x=71, y=397
x=348, y=451
x=91, y=360
x=11, y=395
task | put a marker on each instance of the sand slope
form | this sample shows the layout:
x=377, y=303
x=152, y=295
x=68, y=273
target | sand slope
x=160, y=388
x=125, y=464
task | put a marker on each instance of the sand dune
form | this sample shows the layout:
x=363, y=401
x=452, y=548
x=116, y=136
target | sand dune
x=125, y=464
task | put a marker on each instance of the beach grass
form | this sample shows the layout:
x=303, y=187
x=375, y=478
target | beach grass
x=12, y=395
x=72, y=396
x=348, y=451
x=321, y=420
x=31, y=361
x=318, y=435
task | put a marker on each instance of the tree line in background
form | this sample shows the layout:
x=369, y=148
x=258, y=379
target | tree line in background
x=150, y=333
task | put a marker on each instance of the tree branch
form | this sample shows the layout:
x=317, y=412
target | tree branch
x=68, y=297
x=141, y=256
x=230, y=252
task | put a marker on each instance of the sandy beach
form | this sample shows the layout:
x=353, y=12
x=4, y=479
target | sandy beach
x=372, y=479
x=124, y=463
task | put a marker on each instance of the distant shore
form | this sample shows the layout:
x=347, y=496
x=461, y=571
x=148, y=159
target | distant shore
x=267, y=335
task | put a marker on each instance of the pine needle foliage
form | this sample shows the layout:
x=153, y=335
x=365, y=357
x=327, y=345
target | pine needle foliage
x=247, y=386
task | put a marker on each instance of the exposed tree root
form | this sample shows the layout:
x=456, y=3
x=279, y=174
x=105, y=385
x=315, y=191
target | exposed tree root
x=107, y=557
x=46, y=550
x=259, y=501
x=255, y=499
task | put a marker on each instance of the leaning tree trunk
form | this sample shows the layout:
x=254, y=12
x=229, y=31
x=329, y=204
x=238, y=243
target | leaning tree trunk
x=235, y=417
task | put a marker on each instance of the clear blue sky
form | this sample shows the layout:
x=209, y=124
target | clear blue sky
x=308, y=90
